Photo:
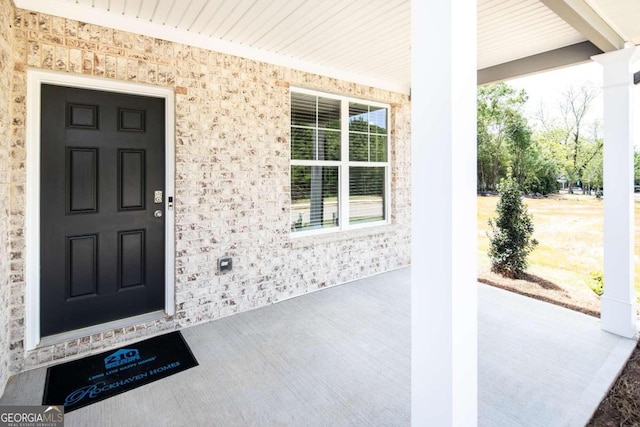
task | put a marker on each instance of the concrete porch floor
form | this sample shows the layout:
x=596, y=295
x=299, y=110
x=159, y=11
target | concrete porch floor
x=341, y=357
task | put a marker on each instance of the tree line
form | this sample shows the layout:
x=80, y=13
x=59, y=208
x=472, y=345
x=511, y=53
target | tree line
x=563, y=149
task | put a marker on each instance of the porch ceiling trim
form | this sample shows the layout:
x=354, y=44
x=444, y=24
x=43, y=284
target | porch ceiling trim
x=585, y=20
x=126, y=23
x=557, y=58
x=579, y=20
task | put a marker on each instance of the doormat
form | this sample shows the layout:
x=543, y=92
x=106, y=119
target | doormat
x=85, y=381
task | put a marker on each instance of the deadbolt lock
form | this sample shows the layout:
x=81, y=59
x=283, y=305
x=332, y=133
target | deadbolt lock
x=157, y=197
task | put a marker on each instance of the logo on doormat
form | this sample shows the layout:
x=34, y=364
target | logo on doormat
x=121, y=357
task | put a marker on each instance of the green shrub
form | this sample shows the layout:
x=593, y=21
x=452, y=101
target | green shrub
x=510, y=240
x=597, y=282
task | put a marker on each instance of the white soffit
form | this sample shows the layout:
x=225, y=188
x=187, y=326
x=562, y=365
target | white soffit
x=364, y=41
x=514, y=29
x=623, y=16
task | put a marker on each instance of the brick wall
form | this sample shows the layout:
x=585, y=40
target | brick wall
x=232, y=177
x=6, y=69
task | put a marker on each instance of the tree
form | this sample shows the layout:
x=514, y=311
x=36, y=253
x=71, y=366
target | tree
x=593, y=177
x=543, y=172
x=500, y=124
x=505, y=141
x=574, y=140
x=511, y=233
x=636, y=164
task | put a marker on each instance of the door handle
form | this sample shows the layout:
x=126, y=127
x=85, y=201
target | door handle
x=158, y=213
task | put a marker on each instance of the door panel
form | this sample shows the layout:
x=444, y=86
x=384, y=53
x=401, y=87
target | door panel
x=82, y=264
x=102, y=250
x=131, y=262
x=131, y=179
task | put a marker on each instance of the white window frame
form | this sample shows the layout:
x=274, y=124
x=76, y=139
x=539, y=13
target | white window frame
x=343, y=167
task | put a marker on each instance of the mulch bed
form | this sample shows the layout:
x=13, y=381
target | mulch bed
x=584, y=301
x=621, y=407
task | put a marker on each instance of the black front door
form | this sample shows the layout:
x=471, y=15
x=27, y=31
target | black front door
x=101, y=207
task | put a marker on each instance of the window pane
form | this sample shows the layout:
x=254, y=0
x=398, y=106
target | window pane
x=314, y=197
x=366, y=194
x=302, y=143
x=378, y=149
x=358, y=147
x=378, y=120
x=305, y=147
x=311, y=140
x=303, y=110
x=328, y=113
x=328, y=145
x=358, y=117
x=368, y=133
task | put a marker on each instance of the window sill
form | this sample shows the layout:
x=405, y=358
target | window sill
x=302, y=239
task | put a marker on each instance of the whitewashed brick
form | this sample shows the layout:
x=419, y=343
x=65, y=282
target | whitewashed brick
x=232, y=177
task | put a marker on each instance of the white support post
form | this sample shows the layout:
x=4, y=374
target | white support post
x=443, y=167
x=618, y=304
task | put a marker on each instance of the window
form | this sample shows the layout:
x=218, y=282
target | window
x=339, y=162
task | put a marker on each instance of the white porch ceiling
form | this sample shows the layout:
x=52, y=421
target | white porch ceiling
x=514, y=29
x=366, y=41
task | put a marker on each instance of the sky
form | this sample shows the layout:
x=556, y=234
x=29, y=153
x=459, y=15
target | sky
x=546, y=89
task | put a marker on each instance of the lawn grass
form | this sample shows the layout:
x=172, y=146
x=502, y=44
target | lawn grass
x=569, y=229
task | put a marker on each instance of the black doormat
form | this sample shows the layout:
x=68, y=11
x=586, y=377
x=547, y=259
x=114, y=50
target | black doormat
x=82, y=382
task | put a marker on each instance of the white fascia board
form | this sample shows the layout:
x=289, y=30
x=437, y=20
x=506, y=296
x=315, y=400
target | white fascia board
x=125, y=23
x=581, y=16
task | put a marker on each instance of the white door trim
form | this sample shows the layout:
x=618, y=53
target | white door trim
x=35, y=79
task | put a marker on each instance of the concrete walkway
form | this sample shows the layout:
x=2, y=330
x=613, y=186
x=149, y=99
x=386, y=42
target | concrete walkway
x=341, y=357
x=541, y=364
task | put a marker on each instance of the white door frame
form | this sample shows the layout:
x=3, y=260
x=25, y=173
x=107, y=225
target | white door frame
x=35, y=79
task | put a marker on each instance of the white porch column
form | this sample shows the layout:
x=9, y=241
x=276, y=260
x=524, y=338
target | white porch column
x=618, y=304
x=443, y=166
